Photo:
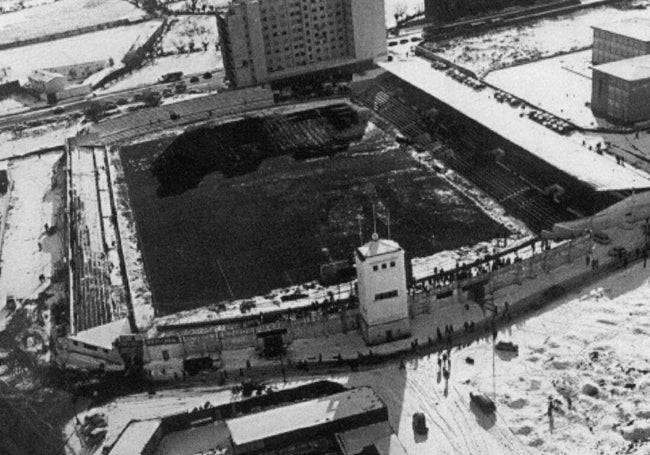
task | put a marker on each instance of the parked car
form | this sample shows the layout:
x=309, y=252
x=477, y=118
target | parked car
x=416, y=39
x=194, y=79
x=59, y=110
x=483, y=402
x=507, y=346
x=404, y=41
x=122, y=101
x=420, y=424
x=602, y=238
x=207, y=75
x=617, y=252
x=392, y=43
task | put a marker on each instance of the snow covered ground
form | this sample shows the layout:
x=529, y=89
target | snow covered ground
x=27, y=251
x=11, y=106
x=100, y=45
x=504, y=47
x=62, y=16
x=196, y=62
x=391, y=7
x=197, y=31
x=579, y=347
x=34, y=139
x=408, y=7
x=560, y=85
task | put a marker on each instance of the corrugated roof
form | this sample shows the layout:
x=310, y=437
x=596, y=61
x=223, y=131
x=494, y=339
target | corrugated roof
x=637, y=28
x=630, y=69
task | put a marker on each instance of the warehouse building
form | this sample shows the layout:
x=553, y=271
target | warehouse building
x=269, y=40
x=282, y=427
x=621, y=40
x=621, y=90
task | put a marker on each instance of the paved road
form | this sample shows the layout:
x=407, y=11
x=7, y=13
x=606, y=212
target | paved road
x=78, y=105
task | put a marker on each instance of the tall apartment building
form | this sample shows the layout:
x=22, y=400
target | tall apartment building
x=620, y=40
x=267, y=40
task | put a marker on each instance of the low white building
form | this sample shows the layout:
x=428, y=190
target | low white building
x=383, y=297
x=82, y=70
x=46, y=82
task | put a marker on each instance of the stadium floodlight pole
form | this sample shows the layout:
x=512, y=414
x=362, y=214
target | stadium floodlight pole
x=374, y=219
x=388, y=224
x=359, y=220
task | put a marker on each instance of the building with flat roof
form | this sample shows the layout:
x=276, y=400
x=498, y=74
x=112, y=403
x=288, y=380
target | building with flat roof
x=280, y=427
x=620, y=90
x=621, y=40
x=383, y=298
x=269, y=40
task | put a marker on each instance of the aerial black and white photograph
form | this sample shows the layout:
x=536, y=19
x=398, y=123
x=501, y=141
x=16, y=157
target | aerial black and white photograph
x=324, y=227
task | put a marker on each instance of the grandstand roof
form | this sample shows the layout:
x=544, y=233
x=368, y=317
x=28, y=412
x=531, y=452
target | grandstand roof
x=630, y=69
x=307, y=414
x=637, y=28
x=563, y=152
x=136, y=437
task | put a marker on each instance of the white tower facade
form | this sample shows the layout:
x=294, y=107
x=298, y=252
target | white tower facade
x=383, y=298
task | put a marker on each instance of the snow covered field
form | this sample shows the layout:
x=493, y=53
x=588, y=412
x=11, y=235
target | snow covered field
x=32, y=204
x=63, y=16
x=187, y=31
x=11, y=106
x=113, y=43
x=504, y=47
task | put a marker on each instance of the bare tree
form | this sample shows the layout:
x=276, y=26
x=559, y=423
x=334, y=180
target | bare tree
x=399, y=11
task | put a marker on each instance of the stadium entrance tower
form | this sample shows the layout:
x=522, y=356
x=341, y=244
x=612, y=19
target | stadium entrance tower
x=383, y=298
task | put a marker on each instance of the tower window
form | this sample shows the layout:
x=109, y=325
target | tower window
x=386, y=295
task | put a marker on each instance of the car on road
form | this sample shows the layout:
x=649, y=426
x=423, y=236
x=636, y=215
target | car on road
x=602, y=238
x=483, y=402
x=420, y=424
x=194, y=79
x=617, y=252
x=207, y=75
x=508, y=346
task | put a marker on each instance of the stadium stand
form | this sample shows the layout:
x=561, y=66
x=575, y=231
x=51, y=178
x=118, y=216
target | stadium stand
x=97, y=285
x=405, y=108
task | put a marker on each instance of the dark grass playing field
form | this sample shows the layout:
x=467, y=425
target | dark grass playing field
x=268, y=228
